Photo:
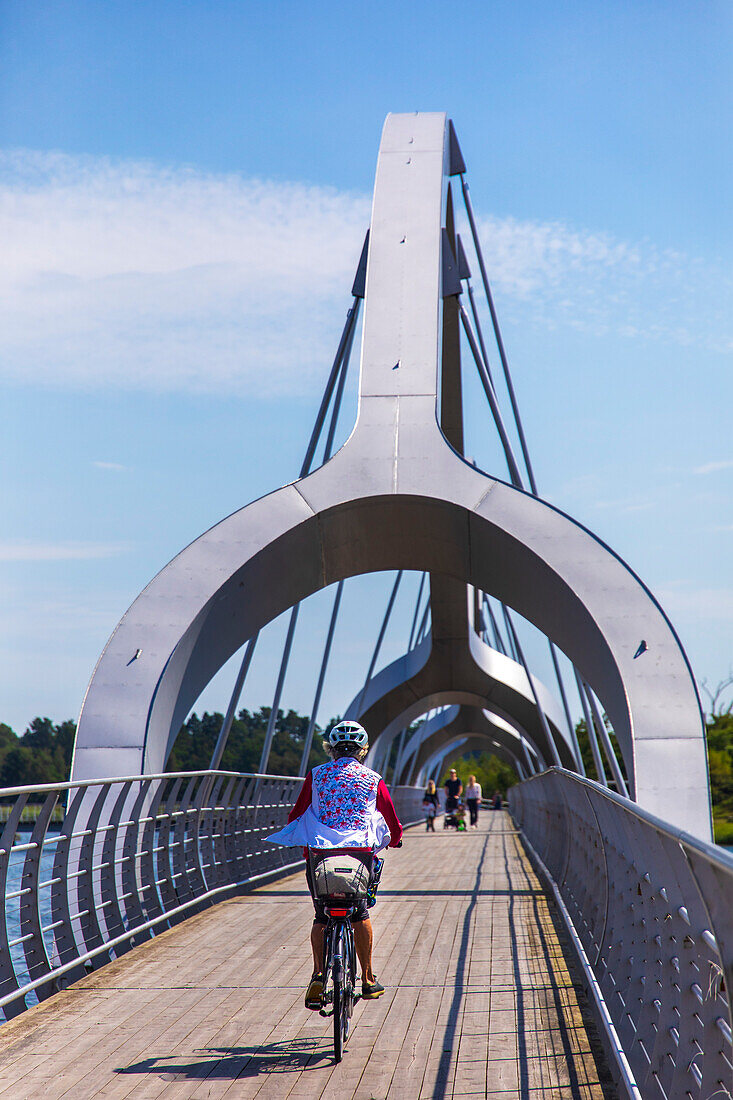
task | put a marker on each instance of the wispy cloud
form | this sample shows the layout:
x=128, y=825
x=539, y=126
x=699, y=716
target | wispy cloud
x=142, y=277
x=556, y=275
x=139, y=276
x=116, y=466
x=714, y=467
x=28, y=551
x=702, y=604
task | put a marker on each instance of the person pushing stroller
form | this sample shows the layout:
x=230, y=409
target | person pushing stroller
x=453, y=790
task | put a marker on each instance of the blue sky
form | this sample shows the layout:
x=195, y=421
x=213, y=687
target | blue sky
x=184, y=188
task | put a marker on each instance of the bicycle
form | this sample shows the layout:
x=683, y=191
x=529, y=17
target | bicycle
x=341, y=878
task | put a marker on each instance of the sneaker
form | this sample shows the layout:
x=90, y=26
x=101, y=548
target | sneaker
x=314, y=994
x=371, y=990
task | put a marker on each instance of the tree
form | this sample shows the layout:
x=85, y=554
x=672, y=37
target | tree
x=719, y=729
x=715, y=695
x=196, y=740
x=493, y=774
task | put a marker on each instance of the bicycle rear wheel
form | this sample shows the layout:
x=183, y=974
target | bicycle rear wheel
x=338, y=962
x=349, y=979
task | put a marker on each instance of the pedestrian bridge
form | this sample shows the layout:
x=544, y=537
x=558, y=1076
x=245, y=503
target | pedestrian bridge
x=574, y=946
x=481, y=995
x=579, y=944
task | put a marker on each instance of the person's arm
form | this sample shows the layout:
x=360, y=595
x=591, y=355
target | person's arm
x=460, y=790
x=385, y=805
x=304, y=799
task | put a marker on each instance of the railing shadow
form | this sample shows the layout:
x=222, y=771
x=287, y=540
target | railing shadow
x=575, y=1089
x=451, y=1027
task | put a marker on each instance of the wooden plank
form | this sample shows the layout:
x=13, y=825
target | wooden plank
x=480, y=999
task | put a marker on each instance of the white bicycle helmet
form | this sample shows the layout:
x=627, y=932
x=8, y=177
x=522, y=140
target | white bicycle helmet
x=348, y=731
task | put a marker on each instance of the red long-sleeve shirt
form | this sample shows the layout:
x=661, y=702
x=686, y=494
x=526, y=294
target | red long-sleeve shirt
x=385, y=805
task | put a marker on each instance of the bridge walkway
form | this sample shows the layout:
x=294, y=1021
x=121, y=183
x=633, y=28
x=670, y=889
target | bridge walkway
x=480, y=998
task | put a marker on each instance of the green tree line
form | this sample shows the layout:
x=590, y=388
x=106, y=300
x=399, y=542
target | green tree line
x=42, y=754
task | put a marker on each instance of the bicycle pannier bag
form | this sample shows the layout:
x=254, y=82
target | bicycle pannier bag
x=340, y=877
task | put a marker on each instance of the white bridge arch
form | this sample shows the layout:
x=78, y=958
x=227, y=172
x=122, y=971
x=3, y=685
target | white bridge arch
x=398, y=496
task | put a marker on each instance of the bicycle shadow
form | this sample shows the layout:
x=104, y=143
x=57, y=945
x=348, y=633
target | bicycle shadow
x=238, y=1062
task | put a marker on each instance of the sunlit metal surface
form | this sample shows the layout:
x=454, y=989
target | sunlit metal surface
x=653, y=909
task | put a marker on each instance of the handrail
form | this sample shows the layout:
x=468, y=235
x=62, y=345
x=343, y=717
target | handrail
x=649, y=908
x=133, y=856
x=39, y=788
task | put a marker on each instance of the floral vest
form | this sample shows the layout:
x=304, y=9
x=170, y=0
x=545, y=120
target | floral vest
x=344, y=793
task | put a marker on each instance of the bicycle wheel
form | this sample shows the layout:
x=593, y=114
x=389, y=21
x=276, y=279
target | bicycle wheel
x=349, y=979
x=339, y=973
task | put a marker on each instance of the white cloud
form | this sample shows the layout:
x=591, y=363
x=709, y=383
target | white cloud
x=116, y=466
x=714, y=467
x=554, y=275
x=140, y=276
x=27, y=551
x=701, y=604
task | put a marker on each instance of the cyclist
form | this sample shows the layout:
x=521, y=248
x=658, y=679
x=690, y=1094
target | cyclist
x=342, y=804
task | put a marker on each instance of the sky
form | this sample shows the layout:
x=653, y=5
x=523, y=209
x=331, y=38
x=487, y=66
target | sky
x=184, y=190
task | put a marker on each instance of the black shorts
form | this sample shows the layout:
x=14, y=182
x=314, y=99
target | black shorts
x=361, y=910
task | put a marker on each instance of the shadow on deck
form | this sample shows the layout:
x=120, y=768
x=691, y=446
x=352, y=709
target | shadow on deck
x=482, y=997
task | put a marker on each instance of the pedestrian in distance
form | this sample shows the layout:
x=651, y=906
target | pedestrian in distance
x=453, y=791
x=430, y=805
x=473, y=799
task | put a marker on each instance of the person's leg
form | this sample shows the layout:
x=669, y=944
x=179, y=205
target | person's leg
x=363, y=941
x=317, y=946
x=314, y=992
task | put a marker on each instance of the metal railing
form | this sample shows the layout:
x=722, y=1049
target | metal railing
x=130, y=858
x=650, y=909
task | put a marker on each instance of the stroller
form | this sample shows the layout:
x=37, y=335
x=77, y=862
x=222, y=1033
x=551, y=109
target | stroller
x=455, y=818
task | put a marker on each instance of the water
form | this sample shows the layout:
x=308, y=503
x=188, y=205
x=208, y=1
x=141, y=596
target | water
x=12, y=906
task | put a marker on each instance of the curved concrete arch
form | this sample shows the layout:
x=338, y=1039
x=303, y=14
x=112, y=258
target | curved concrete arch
x=494, y=734
x=454, y=665
x=472, y=743
x=450, y=699
x=397, y=496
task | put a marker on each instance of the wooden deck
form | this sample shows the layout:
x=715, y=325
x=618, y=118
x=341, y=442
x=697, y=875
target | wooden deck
x=480, y=1001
